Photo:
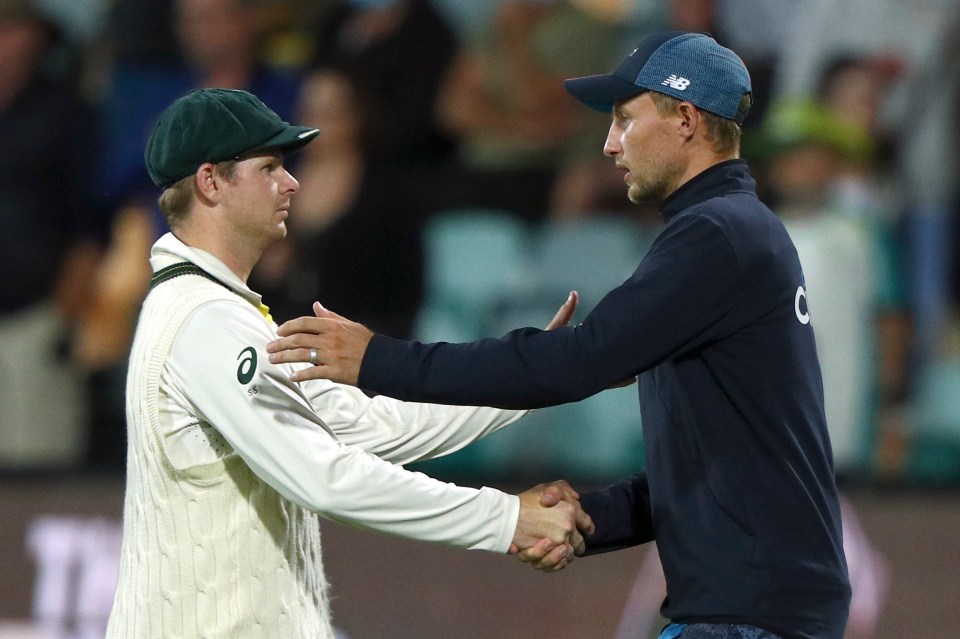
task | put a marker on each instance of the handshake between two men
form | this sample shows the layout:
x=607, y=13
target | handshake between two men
x=552, y=525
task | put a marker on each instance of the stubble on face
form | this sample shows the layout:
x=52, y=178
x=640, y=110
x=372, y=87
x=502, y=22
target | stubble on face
x=257, y=200
x=654, y=172
x=654, y=182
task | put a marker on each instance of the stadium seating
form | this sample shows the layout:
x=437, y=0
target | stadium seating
x=935, y=424
x=488, y=273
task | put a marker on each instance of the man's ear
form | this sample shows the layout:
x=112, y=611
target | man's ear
x=207, y=181
x=690, y=119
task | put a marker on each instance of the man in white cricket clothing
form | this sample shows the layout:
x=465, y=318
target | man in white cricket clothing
x=230, y=464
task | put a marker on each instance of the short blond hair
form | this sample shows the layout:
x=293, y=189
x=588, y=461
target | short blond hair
x=175, y=200
x=724, y=133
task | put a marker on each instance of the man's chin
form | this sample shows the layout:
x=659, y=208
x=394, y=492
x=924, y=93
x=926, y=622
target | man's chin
x=637, y=196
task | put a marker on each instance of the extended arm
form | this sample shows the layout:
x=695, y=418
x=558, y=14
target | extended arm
x=405, y=432
x=669, y=305
x=224, y=377
x=401, y=432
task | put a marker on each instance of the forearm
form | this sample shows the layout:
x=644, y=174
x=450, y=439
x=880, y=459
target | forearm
x=635, y=326
x=362, y=491
x=294, y=453
x=401, y=432
x=621, y=513
x=528, y=368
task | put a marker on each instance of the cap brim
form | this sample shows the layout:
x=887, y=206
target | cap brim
x=293, y=138
x=600, y=92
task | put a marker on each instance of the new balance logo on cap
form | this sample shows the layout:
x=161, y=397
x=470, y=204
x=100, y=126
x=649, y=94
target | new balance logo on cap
x=676, y=83
x=678, y=63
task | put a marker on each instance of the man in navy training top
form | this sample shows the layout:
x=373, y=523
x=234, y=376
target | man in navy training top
x=738, y=489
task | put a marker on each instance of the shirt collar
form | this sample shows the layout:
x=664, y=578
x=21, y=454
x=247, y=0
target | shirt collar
x=720, y=179
x=170, y=250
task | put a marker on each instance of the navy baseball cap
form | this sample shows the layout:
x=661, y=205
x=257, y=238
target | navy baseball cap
x=213, y=125
x=687, y=66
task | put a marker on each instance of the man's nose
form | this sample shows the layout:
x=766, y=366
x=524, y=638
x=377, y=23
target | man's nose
x=292, y=184
x=611, y=146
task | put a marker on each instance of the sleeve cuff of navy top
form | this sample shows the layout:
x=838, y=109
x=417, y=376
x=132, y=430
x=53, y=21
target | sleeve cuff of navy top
x=383, y=371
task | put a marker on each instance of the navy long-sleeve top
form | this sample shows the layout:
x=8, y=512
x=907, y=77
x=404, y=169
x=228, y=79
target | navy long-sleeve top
x=738, y=489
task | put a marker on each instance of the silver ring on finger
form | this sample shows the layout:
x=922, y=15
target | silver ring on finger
x=314, y=357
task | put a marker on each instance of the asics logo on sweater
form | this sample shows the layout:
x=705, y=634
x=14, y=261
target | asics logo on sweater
x=248, y=365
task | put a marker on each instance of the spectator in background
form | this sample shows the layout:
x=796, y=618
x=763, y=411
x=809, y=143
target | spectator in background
x=53, y=227
x=921, y=39
x=371, y=180
x=504, y=102
x=864, y=187
x=853, y=89
x=398, y=51
x=852, y=289
x=355, y=239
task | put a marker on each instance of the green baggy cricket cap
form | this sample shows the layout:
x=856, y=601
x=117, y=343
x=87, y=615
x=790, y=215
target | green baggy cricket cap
x=214, y=125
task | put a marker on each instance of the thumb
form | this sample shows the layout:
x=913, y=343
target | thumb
x=551, y=496
x=320, y=311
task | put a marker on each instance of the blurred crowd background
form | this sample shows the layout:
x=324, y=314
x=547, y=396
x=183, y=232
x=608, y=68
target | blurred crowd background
x=457, y=192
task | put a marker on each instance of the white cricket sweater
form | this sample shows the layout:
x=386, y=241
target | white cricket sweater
x=229, y=465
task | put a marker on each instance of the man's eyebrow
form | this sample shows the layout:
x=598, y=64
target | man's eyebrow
x=274, y=156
